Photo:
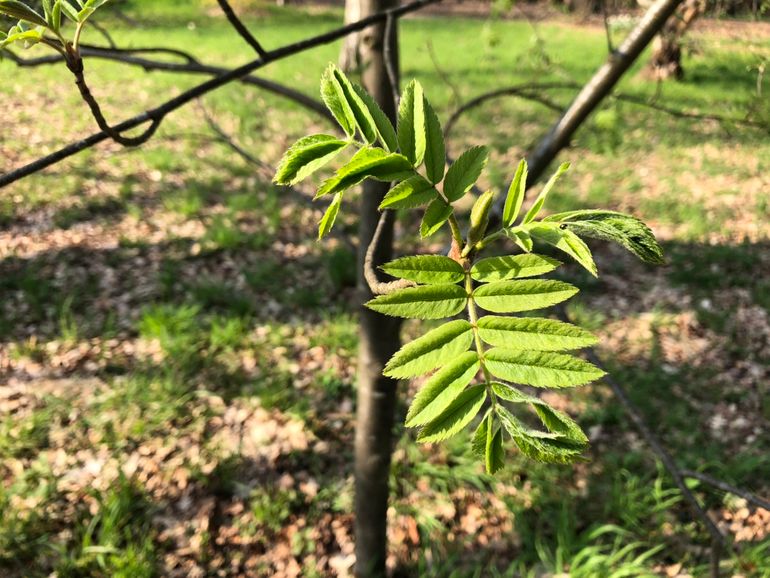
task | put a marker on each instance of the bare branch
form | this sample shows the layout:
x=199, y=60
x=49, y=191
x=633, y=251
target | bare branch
x=75, y=65
x=240, y=27
x=730, y=489
x=657, y=447
x=370, y=274
x=124, y=56
x=159, y=113
x=525, y=91
x=390, y=69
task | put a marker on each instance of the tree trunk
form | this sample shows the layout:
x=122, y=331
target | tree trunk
x=379, y=335
x=350, y=55
x=666, y=61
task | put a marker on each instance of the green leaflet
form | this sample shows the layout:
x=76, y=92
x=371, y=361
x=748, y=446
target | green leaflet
x=516, y=194
x=411, y=123
x=540, y=368
x=455, y=417
x=69, y=11
x=512, y=267
x=540, y=200
x=306, y=156
x=435, y=348
x=442, y=389
x=425, y=302
x=334, y=98
x=435, y=150
x=533, y=333
x=515, y=296
x=413, y=192
x=363, y=118
x=567, y=241
x=537, y=445
x=384, y=127
x=327, y=221
x=494, y=455
x=556, y=421
x=626, y=230
x=20, y=11
x=521, y=237
x=479, y=439
x=464, y=172
x=435, y=216
x=368, y=162
x=428, y=269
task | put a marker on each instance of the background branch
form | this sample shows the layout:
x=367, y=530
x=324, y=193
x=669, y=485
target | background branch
x=159, y=113
x=240, y=27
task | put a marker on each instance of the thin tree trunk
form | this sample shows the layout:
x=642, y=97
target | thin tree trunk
x=666, y=61
x=379, y=335
x=350, y=55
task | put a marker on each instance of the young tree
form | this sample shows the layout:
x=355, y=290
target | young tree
x=478, y=363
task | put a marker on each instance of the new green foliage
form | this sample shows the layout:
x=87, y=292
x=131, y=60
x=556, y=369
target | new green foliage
x=475, y=365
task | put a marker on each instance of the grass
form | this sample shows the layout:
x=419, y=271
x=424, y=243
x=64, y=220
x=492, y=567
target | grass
x=223, y=339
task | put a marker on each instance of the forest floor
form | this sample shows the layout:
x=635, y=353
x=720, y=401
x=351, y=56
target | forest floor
x=177, y=352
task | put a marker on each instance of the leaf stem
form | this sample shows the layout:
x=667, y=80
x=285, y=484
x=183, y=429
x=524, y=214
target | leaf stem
x=473, y=317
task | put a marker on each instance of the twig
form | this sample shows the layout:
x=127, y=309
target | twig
x=390, y=62
x=240, y=27
x=376, y=286
x=191, y=67
x=228, y=140
x=442, y=73
x=729, y=488
x=159, y=113
x=75, y=65
x=607, y=31
x=524, y=91
x=520, y=90
x=103, y=31
x=657, y=447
